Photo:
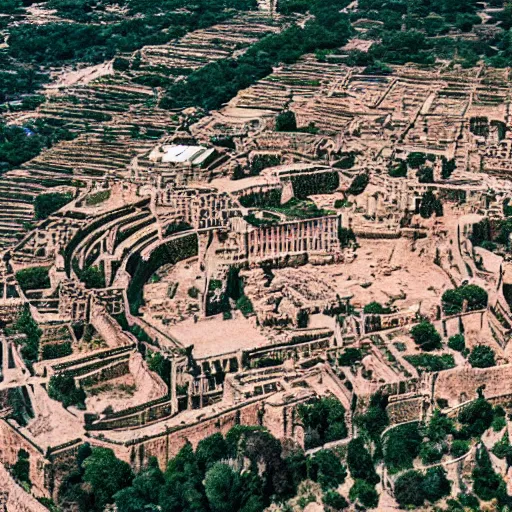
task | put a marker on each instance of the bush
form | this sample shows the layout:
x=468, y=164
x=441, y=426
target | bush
x=401, y=446
x=286, y=122
x=457, y=342
x=482, y=356
x=334, y=501
x=365, y=493
x=476, y=417
x=350, y=356
x=62, y=387
x=459, y=448
x=358, y=185
x=360, y=463
x=46, y=204
x=425, y=336
x=432, y=363
x=34, y=278
x=326, y=468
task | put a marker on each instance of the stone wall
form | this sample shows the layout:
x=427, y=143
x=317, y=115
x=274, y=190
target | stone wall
x=166, y=445
x=459, y=385
x=11, y=441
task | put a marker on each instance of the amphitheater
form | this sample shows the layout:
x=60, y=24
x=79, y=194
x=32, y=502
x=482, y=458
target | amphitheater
x=247, y=288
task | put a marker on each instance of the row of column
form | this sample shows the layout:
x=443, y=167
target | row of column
x=315, y=235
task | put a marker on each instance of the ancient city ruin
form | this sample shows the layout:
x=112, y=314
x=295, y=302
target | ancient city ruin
x=332, y=234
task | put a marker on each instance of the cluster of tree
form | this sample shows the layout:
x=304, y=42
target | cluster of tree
x=46, y=204
x=21, y=468
x=20, y=144
x=431, y=362
x=17, y=80
x=307, y=185
x=471, y=295
x=147, y=23
x=323, y=420
x=376, y=308
x=350, y=356
x=33, y=278
x=482, y=356
x=430, y=205
x=62, y=388
x=413, y=488
x=425, y=336
x=216, y=83
x=26, y=325
x=362, y=470
x=358, y=185
x=419, y=32
x=244, y=471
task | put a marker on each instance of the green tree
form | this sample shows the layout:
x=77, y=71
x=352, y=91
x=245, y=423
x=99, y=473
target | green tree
x=33, y=278
x=286, y=122
x=106, y=475
x=144, y=491
x=375, y=419
x=425, y=336
x=364, y=493
x=375, y=308
x=482, y=356
x=435, y=485
x=62, y=387
x=211, y=450
x=326, y=468
x=334, y=501
x=430, y=205
x=457, y=342
x=409, y=489
x=324, y=421
x=487, y=485
x=46, y=204
x=350, y=356
x=401, y=446
x=360, y=463
x=21, y=468
x=358, y=185
x=223, y=488
x=476, y=417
